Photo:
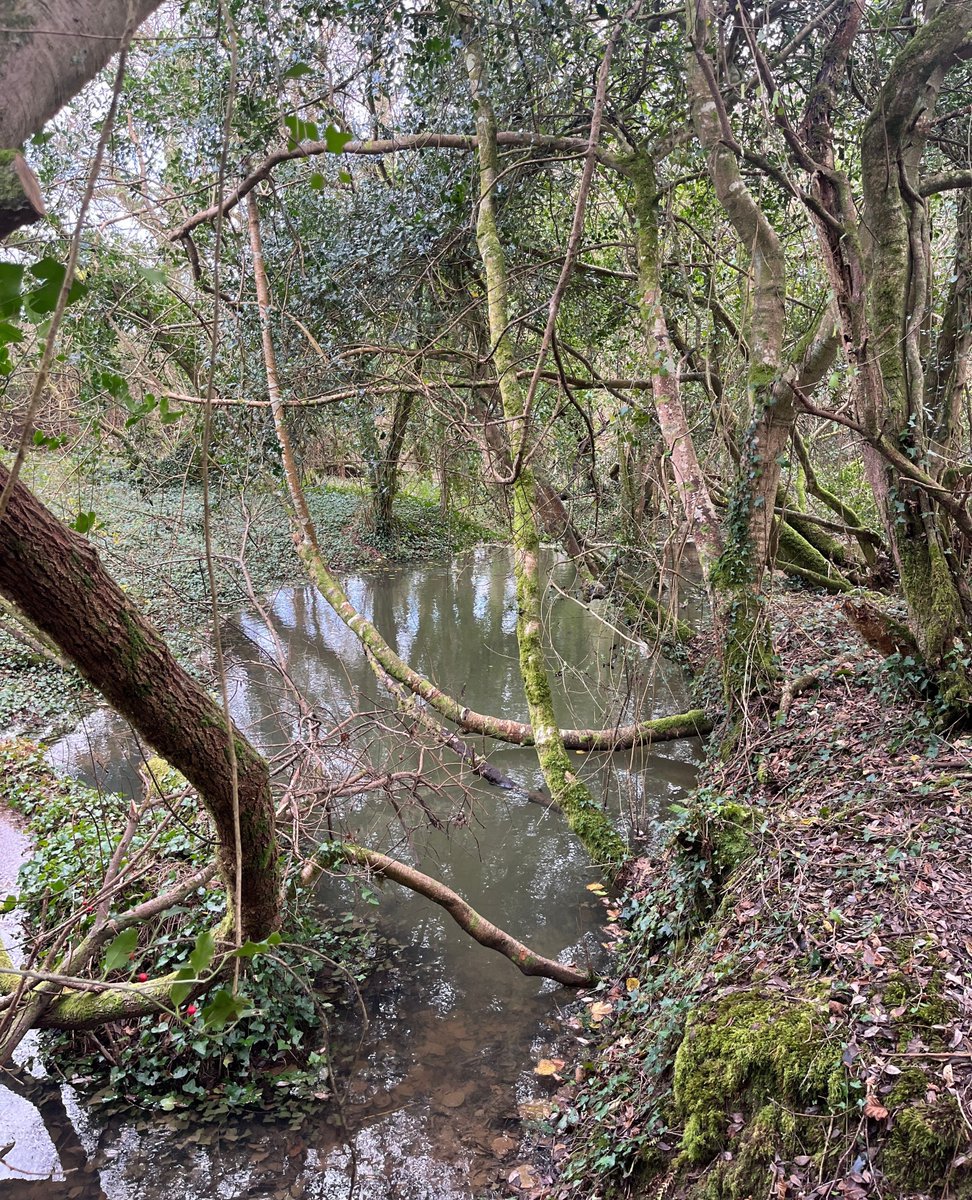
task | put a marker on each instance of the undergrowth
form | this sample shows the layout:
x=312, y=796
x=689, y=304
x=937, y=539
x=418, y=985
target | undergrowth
x=789, y=1010
x=181, y=1061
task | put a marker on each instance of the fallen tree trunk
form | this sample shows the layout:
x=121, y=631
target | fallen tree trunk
x=483, y=931
x=409, y=709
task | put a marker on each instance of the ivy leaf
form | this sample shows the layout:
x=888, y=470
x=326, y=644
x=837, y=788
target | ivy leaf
x=11, y=276
x=121, y=949
x=299, y=130
x=169, y=415
x=224, y=1007
x=49, y=441
x=43, y=299
x=9, y=333
x=84, y=522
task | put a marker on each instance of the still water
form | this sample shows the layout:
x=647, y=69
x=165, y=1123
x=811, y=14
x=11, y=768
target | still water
x=439, y=1077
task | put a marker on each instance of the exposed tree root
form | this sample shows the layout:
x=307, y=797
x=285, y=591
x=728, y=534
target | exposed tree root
x=881, y=632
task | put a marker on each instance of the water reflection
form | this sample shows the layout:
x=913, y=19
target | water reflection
x=454, y=1030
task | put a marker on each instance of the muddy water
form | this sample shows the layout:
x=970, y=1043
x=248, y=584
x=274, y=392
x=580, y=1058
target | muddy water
x=444, y=1066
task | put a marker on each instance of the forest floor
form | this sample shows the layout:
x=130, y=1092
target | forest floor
x=790, y=1012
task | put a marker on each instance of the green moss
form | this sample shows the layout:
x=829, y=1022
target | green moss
x=923, y=1141
x=730, y=835
x=797, y=554
x=747, y=1172
x=748, y=1051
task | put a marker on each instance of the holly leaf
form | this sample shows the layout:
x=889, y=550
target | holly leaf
x=336, y=139
x=119, y=951
x=252, y=949
x=179, y=991
x=202, y=953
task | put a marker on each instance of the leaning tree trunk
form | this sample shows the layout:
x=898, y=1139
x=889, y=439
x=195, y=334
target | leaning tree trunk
x=585, y=817
x=899, y=303
x=747, y=651
x=520, y=733
x=880, y=272
x=56, y=578
x=47, y=54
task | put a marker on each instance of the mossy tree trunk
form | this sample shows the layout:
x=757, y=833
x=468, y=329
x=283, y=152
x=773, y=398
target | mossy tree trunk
x=585, y=817
x=387, y=451
x=904, y=379
x=898, y=262
x=693, y=493
x=748, y=664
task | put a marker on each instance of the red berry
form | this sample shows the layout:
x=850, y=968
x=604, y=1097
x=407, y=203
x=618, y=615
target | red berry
x=192, y=1010
x=141, y=977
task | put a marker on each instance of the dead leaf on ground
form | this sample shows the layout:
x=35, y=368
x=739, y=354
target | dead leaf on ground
x=524, y=1176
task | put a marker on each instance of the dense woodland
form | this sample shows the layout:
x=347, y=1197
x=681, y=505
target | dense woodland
x=685, y=293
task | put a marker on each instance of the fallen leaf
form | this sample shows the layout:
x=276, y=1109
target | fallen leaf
x=632, y=984
x=874, y=1110
x=524, y=1176
x=548, y=1066
x=598, y=888
x=599, y=1010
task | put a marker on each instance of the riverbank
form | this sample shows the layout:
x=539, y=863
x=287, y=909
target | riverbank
x=790, y=1010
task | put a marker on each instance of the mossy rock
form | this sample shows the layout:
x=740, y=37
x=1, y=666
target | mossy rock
x=763, y=1056
x=924, y=1138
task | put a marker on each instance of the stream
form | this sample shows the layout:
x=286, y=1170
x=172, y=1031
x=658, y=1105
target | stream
x=443, y=1071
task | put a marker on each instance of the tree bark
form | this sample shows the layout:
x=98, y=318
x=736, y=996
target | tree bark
x=897, y=260
x=584, y=816
x=49, y=52
x=56, y=578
